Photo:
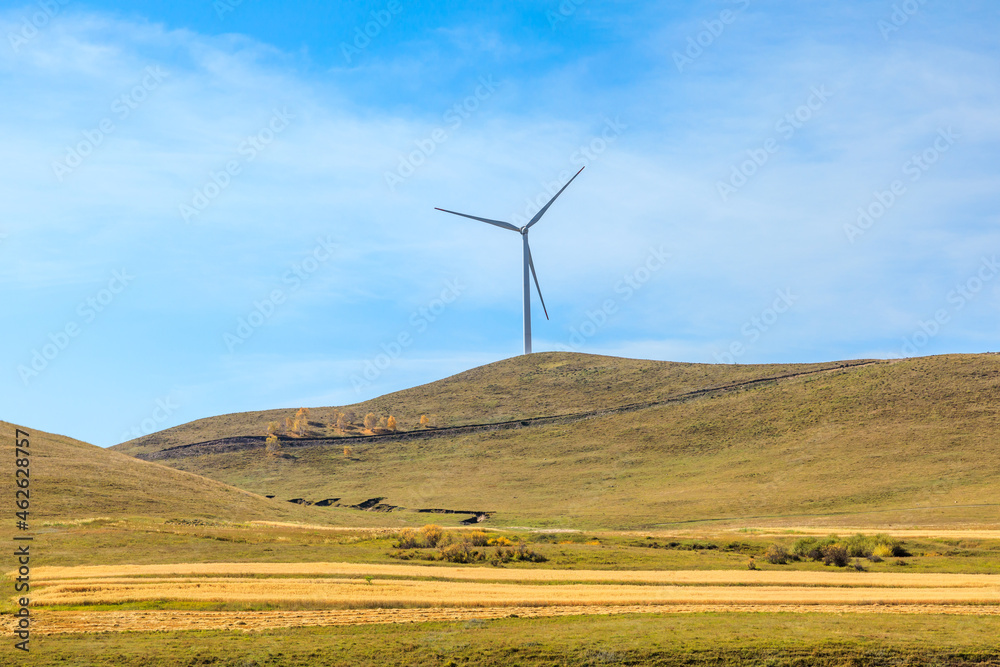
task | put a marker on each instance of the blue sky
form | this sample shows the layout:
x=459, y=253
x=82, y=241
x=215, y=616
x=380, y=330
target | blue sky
x=218, y=207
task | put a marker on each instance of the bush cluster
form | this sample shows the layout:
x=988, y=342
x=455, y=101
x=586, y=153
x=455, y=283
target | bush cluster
x=776, y=554
x=839, y=552
x=467, y=548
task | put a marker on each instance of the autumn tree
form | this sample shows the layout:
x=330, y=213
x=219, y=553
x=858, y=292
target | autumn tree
x=370, y=421
x=383, y=422
x=347, y=452
x=350, y=417
x=391, y=424
x=424, y=421
x=273, y=427
x=272, y=445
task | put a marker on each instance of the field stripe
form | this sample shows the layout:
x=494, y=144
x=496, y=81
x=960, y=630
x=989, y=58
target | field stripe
x=832, y=577
x=409, y=592
x=70, y=622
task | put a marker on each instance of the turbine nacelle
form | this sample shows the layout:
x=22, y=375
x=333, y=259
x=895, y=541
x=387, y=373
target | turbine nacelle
x=529, y=266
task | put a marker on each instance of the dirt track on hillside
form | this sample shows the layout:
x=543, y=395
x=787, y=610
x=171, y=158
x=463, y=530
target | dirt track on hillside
x=72, y=622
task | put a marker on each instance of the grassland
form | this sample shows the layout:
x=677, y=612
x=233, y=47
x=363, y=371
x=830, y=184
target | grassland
x=736, y=639
x=71, y=480
x=689, y=593
x=910, y=443
x=646, y=523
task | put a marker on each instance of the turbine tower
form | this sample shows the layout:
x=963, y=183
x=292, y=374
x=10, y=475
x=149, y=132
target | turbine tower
x=526, y=258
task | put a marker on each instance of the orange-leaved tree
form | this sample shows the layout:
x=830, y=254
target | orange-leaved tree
x=391, y=423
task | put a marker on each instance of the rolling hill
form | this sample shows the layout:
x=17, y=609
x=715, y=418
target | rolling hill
x=909, y=442
x=548, y=383
x=71, y=480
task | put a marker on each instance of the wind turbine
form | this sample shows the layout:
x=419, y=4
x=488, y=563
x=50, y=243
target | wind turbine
x=526, y=255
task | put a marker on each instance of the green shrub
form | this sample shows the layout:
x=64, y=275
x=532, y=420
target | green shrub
x=776, y=554
x=807, y=547
x=520, y=552
x=860, y=546
x=523, y=553
x=835, y=554
x=461, y=553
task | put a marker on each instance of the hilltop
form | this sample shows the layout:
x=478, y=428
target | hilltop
x=910, y=442
x=543, y=384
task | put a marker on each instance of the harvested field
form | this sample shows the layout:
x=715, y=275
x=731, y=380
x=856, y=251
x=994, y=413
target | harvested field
x=75, y=622
x=357, y=593
x=385, y=586
x=50, y=575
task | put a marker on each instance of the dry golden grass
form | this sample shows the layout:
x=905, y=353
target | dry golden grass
x=835, y=578
x=403, y=593
x=350, y=585
x=75, y=622
x=72, y=480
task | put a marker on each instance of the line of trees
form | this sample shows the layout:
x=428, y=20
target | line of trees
x=298, y=425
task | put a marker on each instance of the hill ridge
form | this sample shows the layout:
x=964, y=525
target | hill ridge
x=238, y=443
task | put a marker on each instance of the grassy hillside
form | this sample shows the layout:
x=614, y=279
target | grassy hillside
x=905, y=443
x=74, y=480
x=548, y=383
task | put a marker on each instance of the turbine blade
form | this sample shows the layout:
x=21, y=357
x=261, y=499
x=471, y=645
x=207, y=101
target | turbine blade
x=531, y=265
x=539, y=215
x=497, y=223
